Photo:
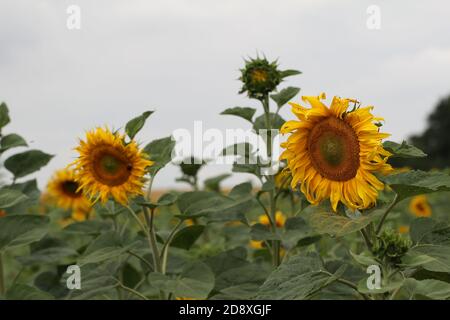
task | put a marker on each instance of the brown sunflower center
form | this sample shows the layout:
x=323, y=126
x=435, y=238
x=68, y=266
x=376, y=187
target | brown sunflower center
x=420, y=207
x=70, y=188
x=110, y=166
x=334, y=149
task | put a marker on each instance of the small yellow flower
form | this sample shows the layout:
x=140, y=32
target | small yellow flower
x=107, y=166
x=63, y=189
x=280, y=219
x=334, y=152
x=256, y=244
x=420, y=207
x=189, y=222
x=403, y=229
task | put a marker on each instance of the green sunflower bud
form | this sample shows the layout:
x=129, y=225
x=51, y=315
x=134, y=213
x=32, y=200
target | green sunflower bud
x=391, y=246
x=260, y=77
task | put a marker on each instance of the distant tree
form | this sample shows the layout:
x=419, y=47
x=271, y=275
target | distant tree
x=434, y=141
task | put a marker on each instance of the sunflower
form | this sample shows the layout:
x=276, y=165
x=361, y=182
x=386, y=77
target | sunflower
x=63, y=189
x=334, y=153
x=280, y=219
x=420, y=207
x=107, y=166
x=256, y=244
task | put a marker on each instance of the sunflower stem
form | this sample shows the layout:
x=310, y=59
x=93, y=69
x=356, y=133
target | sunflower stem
x=275, y=243
x=383, y=218
x=165, y=249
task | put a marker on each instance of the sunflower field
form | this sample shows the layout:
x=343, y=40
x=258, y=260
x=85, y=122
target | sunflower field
x=329, y=217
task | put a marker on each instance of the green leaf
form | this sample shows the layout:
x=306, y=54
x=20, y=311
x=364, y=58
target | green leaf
x=261, y=232
x=27, y=162
x=285, y=95
x=136, y=124
x=96, y=280
x=4, y=115
x=48, y=256
x=160, y=151
x=439, y=254
x=411, y=183
x=429, y=288
x=364, y=259
x=260, y=122
x=297, y=232
x=362, y=287
x=403, y=150
x=18, y=230
x=186, y=237
x=299, y=277
x=327, y=222
x=88, y=227
x=429, y=231
x=289, y=72
x=21, y=291
x=11, y=197
x=106, y=246
x=195, y=281
x=241, y=190
x=213, y=206
x=213, y=183
x=12, y=141
x=243, y=112
x=231, y=269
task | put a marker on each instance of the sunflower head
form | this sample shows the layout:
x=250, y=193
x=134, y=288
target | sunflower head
x=420, y=207
x=333, y=152
x=109, y=167
x=64, y=190
x=256, y=244
x=280, y=219
x=259, y=77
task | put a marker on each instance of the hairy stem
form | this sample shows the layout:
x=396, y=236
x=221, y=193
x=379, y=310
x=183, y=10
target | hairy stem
x=383, y=218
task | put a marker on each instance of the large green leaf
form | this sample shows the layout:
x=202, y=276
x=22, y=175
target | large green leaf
x=429, y=231
x=438, y=257
x=327, y=222
x=428, y=289
x=11, y=197
x=4, y=115
x=12, y=141
x=403, y=150
x=187, y=236
x=21, y=291
x=214, y=206
x=160, y=151
x=243, y=112
x=27, y=162
x=213, y=183
x=195, y=281
x=260, y=122
x=96, y=280
x=89, y=227
x=109, y=245
x=49, y=250
x=411, y=183
x=136, y=124
x=285, y=95
x=18, y=230
x=299, y=277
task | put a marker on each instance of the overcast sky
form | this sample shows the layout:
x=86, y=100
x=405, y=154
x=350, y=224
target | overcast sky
x=181, y=58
